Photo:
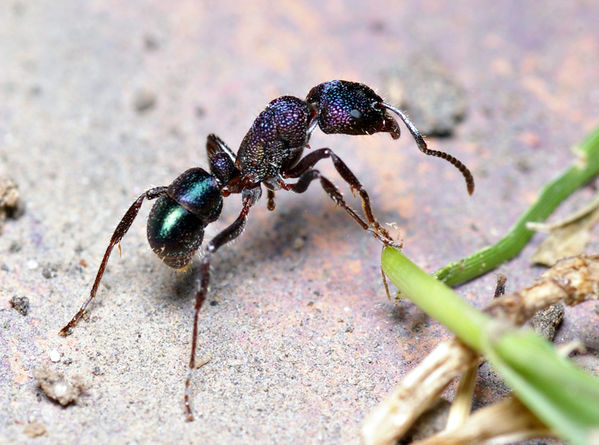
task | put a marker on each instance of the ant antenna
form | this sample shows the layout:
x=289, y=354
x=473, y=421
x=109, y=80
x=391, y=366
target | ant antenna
x=424, y=149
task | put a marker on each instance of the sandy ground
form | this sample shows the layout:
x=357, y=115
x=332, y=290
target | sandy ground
x=100, y=100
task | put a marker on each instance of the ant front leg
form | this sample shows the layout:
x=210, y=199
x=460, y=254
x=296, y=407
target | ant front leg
x=227, y=235
x=303, y=170
x=117, y=236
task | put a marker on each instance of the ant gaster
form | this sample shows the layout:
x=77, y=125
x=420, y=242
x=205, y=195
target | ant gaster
x=270, y=155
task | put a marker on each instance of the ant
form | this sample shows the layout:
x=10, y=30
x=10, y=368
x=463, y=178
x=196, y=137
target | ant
x=270, y=155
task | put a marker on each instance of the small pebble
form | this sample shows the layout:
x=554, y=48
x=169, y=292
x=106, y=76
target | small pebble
x=298, y=243
x=10, y=205
x=20, y=304
x=49, y=272
x=200, y=111
x=54, y=356
x=547, y=321
x=428, y=91
x=57, y=387
x=144, y=100
x=150, y=42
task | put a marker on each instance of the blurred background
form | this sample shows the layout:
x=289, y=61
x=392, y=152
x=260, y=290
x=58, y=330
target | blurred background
x=101, y=100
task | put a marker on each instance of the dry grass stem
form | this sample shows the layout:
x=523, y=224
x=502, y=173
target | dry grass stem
x=571, y=281
x=419, y=389
x=462, y=403
x=508, y=417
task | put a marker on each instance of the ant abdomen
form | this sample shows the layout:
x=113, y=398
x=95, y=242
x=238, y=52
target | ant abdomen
x=174, y=233
x=178, y=218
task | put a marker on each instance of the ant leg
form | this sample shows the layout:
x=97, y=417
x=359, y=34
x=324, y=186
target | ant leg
x=310, y=175
x=118, y=234
x=270, y=194
x=312, y=158
x=385, y=284
x=224, y=237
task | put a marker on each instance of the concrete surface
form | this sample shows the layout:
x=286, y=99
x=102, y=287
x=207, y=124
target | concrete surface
x=100, y=100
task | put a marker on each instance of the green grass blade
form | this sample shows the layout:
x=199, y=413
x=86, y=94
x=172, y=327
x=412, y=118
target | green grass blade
x=434, y=298
x=581, y=171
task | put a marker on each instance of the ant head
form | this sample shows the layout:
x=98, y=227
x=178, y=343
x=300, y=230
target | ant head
x=353, y=108
x=350, y=108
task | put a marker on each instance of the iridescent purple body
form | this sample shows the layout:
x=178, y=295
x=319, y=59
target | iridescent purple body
x=272, y=146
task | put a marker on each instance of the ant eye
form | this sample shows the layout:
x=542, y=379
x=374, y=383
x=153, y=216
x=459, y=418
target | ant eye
x=355, y=114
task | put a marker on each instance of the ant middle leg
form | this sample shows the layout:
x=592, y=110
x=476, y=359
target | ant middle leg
x=311, y=174
x=304, y=167
x=225, y=236
x=117, y=236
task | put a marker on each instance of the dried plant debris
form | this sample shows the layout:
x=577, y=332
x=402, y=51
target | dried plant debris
x=567, y=237
x=419, y=390
x=10, y=205
x=20, y=304
x=57, y=387
x=462, y=403
x=508, y=419
x=546, y=322
x=428, y=92
x=570, y=281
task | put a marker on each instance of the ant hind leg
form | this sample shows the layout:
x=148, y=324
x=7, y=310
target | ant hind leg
x=117, y=236
x=225, y=236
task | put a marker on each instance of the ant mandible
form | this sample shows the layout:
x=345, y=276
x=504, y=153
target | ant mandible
x=270, y=155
